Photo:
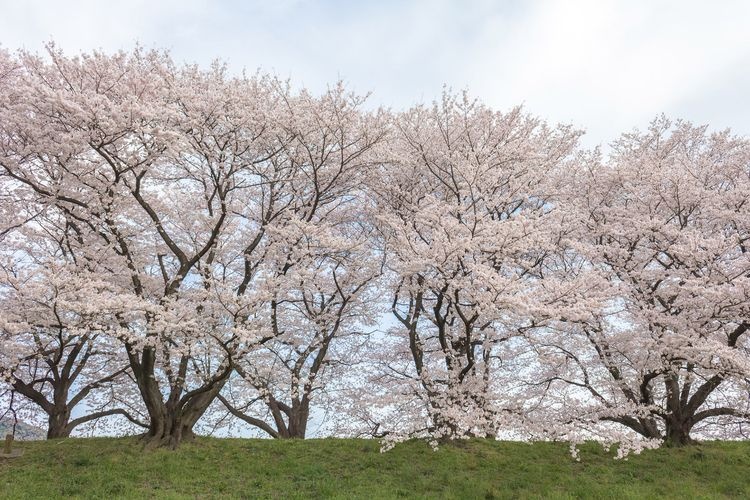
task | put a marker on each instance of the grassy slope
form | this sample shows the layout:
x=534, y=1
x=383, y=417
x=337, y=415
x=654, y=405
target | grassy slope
x=105, y=468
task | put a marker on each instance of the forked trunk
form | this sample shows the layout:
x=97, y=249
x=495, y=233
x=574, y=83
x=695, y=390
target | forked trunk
x=169, y=430
x=172, y=422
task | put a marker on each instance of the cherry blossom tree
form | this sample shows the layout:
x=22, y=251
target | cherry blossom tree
x=53, y=354
x=653, y=334
x=463, y=208
x=154, y=168
x=319, y=325
x=320, y=261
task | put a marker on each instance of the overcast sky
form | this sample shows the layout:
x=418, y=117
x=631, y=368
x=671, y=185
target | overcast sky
x=605, y=66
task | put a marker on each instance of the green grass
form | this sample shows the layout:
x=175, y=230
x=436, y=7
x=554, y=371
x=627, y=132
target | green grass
x=340, y=468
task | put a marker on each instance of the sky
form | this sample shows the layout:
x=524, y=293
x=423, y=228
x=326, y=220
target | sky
x=605, y=66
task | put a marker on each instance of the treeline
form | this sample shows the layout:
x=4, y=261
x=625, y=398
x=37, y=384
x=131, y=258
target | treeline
x=181, y=247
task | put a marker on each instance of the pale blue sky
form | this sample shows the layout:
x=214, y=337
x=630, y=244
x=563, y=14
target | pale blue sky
x=602, y=65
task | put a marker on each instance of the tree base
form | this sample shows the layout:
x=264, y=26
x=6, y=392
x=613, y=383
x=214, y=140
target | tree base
x=679, y=443
x=169, y=441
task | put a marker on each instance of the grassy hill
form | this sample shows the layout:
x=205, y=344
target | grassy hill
x=249, y=468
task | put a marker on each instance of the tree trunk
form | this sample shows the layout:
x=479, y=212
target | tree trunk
x=170, y=431
x=57, y=424
x=172, y=422
x=298, y=420
x=677, y=434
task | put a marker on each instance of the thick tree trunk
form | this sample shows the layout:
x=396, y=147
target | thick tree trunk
x=57, y=410
x=297, y=427
x=172, y=422
x=677, y=433
x=57, y=424
x=168, y=430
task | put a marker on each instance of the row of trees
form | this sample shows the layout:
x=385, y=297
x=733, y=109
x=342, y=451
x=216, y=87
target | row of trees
x=180, y=246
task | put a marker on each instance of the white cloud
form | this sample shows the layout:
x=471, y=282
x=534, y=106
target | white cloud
x=604, y=65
